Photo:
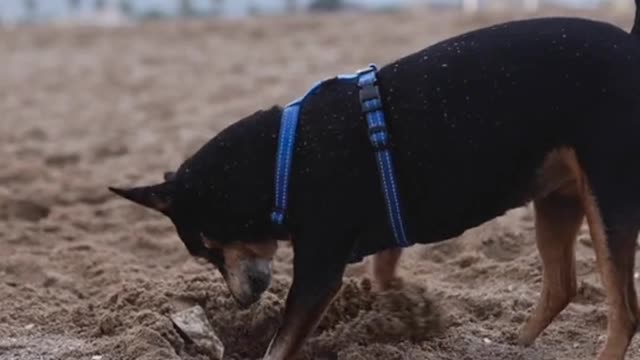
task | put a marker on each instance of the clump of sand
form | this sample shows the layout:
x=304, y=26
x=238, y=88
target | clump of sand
x=361, y=317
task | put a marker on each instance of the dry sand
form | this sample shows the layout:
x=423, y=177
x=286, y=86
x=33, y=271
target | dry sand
x=84, y=275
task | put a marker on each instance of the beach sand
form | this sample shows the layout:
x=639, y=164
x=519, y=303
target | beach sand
x=86, y=275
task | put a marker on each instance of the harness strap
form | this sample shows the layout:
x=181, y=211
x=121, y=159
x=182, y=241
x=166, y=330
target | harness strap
x=371, y=104
x=288, y=126
x=286, y=143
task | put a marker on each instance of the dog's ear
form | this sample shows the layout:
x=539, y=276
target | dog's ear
x=169, y=175
x=158, y=197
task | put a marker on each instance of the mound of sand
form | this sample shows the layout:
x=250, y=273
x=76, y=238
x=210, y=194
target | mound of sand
x=85, y=275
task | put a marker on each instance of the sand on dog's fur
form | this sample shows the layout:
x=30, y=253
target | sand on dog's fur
x=83, y=273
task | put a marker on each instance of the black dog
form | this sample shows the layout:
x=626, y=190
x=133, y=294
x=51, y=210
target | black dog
x=544, y=110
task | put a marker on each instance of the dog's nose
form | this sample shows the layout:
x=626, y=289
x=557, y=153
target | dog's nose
x=259, y=283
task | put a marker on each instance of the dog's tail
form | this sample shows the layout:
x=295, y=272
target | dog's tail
x=635, y=30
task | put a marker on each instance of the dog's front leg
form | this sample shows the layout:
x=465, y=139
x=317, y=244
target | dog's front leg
x=317, y=277
x=304, y=309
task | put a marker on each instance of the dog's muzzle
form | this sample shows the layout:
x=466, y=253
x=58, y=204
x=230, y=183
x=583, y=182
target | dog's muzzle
x=249, y=280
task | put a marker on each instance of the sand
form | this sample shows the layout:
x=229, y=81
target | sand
x=84, y=275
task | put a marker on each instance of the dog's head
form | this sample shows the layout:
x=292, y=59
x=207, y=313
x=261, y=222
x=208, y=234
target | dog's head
x=220, y=205
x=245, y=264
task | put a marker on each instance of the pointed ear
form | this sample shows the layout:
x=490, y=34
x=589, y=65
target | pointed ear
x=169, y=175
x=158, y=197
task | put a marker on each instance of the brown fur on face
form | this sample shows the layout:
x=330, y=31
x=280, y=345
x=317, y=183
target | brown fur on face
x=246, y=268
x=238, y=252
x=265, y=250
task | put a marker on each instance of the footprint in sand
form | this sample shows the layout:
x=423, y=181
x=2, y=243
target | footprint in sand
x=61, y=160
x=27, y=210
x=443, y=251
x=109, y=150
x=503, y=248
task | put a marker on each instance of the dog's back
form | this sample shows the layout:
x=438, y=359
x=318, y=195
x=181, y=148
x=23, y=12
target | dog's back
x=473, y=118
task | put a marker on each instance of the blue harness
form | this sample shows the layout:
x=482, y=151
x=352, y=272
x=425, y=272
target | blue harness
x=371, y=104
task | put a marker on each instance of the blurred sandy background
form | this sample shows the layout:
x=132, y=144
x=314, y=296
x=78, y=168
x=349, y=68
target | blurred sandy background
x=84, y=275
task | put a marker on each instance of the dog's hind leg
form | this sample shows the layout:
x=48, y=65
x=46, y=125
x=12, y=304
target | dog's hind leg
x=614, y=239
x=385, y=264
x=558, y=218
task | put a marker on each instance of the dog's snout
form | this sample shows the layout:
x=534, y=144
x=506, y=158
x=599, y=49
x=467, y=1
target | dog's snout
x=258, y=282
x=248, y=280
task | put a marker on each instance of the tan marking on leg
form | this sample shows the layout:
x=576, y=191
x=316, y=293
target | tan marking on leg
x=558, y=220
x=559, y=173
x=616, y=272
x=559, y=214
x=385, y=264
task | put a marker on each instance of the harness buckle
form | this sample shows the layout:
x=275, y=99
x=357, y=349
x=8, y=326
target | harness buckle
x=370, y=100
x=369, y=92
